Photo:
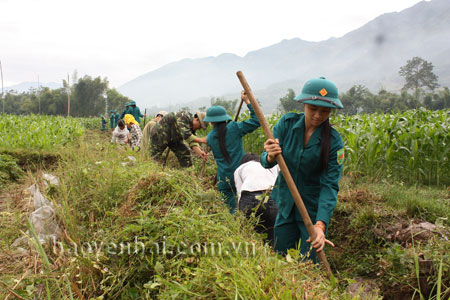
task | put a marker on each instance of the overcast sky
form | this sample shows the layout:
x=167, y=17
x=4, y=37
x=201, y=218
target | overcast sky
x=122, y=40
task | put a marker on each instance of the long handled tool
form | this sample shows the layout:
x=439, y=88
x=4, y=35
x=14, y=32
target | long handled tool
x=238, y=111
x=285, y=172
x=145, y=116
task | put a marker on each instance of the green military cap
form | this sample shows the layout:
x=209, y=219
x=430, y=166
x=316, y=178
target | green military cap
x=320, y=92
x=216, y=114
x=132, y=102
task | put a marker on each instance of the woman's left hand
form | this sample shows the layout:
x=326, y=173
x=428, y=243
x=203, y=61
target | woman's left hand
x=320, y=240
x=244, y=97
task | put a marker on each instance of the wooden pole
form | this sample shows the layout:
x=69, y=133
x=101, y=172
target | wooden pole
x=238, y=111
x=68, y=96
x=3, y=93
x=285, y=172
x=39, y=96
x=145, y=116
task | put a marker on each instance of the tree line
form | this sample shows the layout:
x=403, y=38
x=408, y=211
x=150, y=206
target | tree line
x=92, y=97
x=89, y=97
x=419, y=80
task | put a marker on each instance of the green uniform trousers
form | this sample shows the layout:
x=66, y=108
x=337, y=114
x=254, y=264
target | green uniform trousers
x=288, y=232
x=229, y=196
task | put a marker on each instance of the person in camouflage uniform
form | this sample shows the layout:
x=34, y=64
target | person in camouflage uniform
x=174, y=131
x=148, y=129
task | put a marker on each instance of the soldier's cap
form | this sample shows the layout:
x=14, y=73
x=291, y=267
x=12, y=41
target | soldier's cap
x=132, y=102
x=320, y=92
x=216, y=114
x=162, y=113
x=201, y=117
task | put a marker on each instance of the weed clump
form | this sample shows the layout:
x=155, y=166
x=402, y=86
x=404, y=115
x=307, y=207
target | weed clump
x=9, y=170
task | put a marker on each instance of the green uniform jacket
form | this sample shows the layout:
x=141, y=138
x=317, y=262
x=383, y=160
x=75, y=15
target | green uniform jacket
x=233, y=142
x=116, y=119
x=318, y=189
x=112, y=117
x=136, y=112
x=126, y=111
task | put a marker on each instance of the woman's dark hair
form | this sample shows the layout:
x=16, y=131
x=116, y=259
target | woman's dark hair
x=325, y=145
x=222, y=132
x=249, y=157
x=121, y=123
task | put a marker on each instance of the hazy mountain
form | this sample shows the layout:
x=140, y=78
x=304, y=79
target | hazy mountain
x=26, y=86
x=370, y=55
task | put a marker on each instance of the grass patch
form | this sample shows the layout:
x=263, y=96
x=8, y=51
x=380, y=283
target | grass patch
x=33, y=160
x=428, y=203
x=133, y=231
x=369, y=228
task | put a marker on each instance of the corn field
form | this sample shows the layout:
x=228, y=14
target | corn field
x=413, y=146
x=38, y=132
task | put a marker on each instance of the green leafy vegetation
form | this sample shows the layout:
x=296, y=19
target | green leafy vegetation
x=412, y=147
x=133, y=230
x=9, y=170
x=38, y=132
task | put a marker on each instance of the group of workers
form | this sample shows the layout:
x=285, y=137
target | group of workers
x=312, y=149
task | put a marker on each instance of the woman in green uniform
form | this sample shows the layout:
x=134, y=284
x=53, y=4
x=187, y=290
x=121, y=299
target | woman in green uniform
x=314, y=154
x=225, y=141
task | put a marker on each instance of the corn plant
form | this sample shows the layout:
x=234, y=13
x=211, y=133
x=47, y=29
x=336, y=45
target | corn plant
x=38, y=132
x=413, y=146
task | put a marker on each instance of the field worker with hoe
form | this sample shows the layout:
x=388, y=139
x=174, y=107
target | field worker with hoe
x=148, y=128
x=135, y=132
x=172, y=131
x=126, y=110
x=314, y=154
x=135, y=111
x=225, y=141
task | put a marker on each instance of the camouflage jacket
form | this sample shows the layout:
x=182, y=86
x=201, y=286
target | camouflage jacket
x=184, y=121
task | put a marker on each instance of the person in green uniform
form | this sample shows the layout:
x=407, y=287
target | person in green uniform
x=225, y=141
x=314, y=154
x=112, y=117
x=175, y=131
x=126, y=110
x=116, y=118
x=135, y=111
x=103, y=124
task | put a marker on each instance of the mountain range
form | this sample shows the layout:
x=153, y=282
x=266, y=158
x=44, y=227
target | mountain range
x=370, y=55
x=25, y=86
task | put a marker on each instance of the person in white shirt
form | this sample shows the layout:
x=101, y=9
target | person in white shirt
x=120, y=134
x=253, y=180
